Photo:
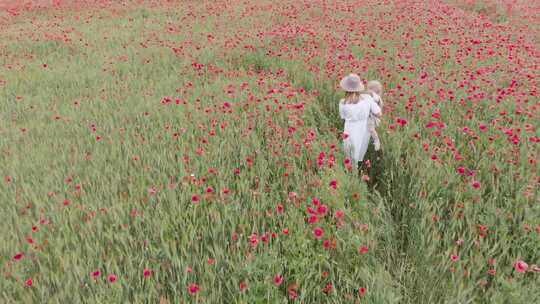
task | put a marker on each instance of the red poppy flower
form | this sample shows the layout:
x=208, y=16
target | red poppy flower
x=313, y=219
x=333, y=184
x=112, y=278
x=193, y=288
x=318, y=232
x=278, y=279
x=18, y=256
x=521, y=266
x=147, y=273
x=364, y=249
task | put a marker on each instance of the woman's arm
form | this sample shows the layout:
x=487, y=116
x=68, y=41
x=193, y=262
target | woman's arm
x=341, y=110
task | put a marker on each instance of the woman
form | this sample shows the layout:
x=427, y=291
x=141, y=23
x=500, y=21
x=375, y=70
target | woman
x=355, y=109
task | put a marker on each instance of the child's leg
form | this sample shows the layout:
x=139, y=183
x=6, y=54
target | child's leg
x=376, y=141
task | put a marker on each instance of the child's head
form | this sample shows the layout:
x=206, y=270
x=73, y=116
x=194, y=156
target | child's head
x=375, y=86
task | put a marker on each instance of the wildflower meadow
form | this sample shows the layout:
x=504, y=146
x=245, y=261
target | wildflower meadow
x=191, y=152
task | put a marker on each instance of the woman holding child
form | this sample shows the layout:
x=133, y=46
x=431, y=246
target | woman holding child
x=361, y=110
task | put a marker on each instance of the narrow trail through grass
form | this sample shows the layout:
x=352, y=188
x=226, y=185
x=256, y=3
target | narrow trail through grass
x=390, y=183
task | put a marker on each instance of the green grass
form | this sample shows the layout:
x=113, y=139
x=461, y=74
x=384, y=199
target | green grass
x=94, y=127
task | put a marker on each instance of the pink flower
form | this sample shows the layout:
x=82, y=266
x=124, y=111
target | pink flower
x=402, y=122
x=322, y=210
x=278, y=279
x=29, y=282
x=535, y=268
x=280, y=209
x=147, y=273
x=313, y=219
x=253, y=240
x=318, y=232
x=243, y=286
x=96, y=274
x=193, y=288
x=476, y=184
x=362, y=291
x=195, y=199
x=18, y=256
x=483, y=127
x=333, y=184
x=521, y=266
x=461, y=171
x=112, y=278
x=364, y=249
x=454, y=258
x=327, y=244
x=329, y=288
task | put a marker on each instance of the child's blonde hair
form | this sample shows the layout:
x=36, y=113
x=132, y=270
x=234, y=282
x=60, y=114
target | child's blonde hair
x=374, y=85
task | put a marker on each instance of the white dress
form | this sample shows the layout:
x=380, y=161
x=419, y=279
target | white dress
x=356, y=130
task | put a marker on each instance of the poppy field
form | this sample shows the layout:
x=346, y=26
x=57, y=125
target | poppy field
x=191, y=152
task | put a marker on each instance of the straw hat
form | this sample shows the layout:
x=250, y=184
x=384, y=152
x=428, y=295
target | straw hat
x=351, y=83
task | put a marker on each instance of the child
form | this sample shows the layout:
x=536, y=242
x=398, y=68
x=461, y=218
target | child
x=375, y=87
